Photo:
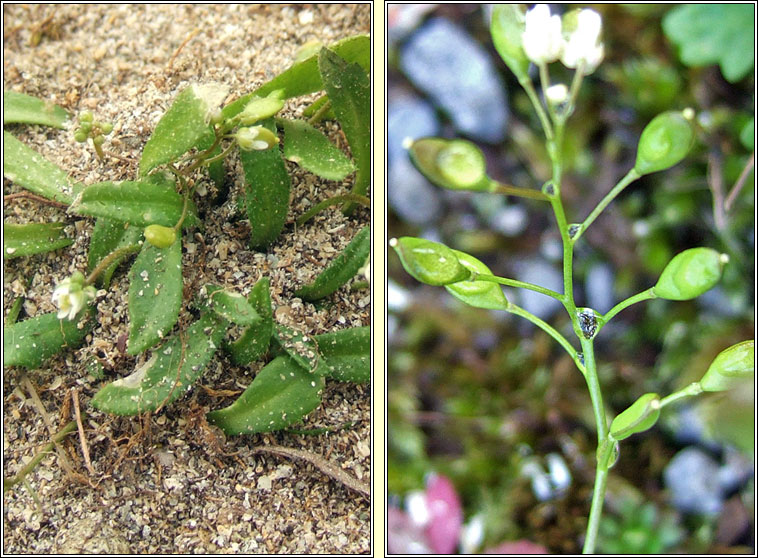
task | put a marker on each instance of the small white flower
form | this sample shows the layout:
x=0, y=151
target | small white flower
x=256, y=138
x=70, y=296
x=583, y=44
x=556, y=94
x=542, y=38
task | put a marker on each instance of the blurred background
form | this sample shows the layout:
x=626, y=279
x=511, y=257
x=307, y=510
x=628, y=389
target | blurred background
x=486, y=413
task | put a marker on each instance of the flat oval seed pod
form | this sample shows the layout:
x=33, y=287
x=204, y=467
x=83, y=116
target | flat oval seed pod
x=641, y=415
x=429, y=262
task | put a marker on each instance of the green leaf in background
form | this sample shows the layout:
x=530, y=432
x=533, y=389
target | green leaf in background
x=33, y=238
x=300, y=347
x=24, y=109
x=231, y=306
x=481, y=294
x=747, y=135
x=341, y=269
x=254, y=341
x=142, y=203
x=184, y=126
x=714, y=33
x=312, y=150
x=347, y=354
x=33, y=341
x=27, y=168
x=267, y=192
x=168, y=374
x=155, y=295
x=303, y=77
x=109, y=235
x=280, y=395
x=349, y=90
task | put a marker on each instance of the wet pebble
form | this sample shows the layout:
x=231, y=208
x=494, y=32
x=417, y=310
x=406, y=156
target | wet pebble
x=539, y=273
x=692, y=478
x=458, y=74
x=599, y=285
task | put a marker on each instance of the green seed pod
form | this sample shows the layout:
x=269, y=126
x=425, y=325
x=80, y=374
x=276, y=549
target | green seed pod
x=731, y=367
x=86, y=117
x=429, y=262
x=80, y=136
x=507, y=26
x=160, y=236
x=690, y=273
x=664, y=142
x=641, y=415
x=453, y=164
x=480, y=294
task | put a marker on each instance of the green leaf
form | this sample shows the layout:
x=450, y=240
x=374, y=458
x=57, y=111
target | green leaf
x=142, y=203
x=280, y=395
x=349, y=90
x=155, y=295
x=109, y=235
x=27, y=168
x=267, y=193
x=184, y=126
x=481, y=294
x=300, y=347
x=21, y=108
x=347, y=354
x=303, y=77
x=254, y=341
x=714, y=33
x=34, y=238
x=231, y=306
x=168, y=374
x=309, y=148
x=638, y=417
x=33, y=341
x=341, y=269
x=747, y=135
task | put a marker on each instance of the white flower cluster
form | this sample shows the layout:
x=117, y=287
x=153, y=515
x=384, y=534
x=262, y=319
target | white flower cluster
x=576, y=42
x=70, y=296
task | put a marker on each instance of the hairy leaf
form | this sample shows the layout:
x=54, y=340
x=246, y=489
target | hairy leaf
x=33, y=341
x=109, y=235
x=33, y=238
x=312, y=150
x=254, y=341
x=347, y=354
x=24, y=109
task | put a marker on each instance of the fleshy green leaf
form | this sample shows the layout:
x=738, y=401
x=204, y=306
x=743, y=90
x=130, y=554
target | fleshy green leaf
x=231, y=306
x=300, y=347
x=347, y=354
x=33, y=238
x=481, y=294
x=267, y=193
x=27, y=168
x=309, y=148
x=184, y=126
x=254, y=341
x=21, y=108
x=33, y=341
x=714, y=33
x=303, y=77
x=109, y=235
x=168, y=374
x=142, y=203
x=341, y=269
x=349, y=90
x=280, y=395
x=155, y=295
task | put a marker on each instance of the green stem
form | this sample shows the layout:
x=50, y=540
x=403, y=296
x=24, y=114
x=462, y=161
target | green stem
x=691, y=390
x=532, y=94
x=29, y=467
x=218, y=157
x=639, y=297
x=319, y=114
x=517, y=283
x=334, y=200
x=550, y=330
x=630, y=177
x=508, y=190
x=108, y=260
x=596, y=508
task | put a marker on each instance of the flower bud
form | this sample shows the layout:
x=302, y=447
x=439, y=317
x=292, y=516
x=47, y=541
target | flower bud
x=664, y=142
x=256, y=138
x=542, y=39
x=86, y=117
x=454, y=164
x=690, y=273
x=557, y=94
x=106, y=128
x=731, y=367
x=80, y=136
x=160, y=236
x=507, y=28
x=260, y=108
x=98, y=140
x=85, y=127
x=581, y=30
x=641, y=415
x=429, y=262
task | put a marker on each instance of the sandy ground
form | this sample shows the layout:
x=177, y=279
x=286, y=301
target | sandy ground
x=169, y=483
